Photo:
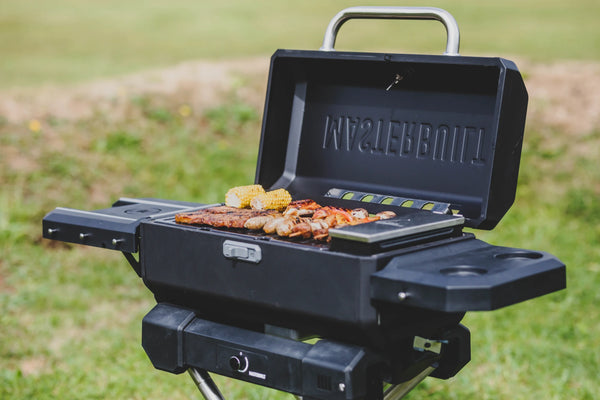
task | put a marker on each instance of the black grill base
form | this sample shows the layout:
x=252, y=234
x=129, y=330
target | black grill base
x=175, y=340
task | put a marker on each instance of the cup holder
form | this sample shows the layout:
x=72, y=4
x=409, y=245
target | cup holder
x=530, y=255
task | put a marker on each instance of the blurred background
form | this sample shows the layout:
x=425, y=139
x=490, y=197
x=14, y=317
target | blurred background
x=107, y=99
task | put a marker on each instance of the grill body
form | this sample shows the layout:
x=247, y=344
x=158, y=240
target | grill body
x=309, y=289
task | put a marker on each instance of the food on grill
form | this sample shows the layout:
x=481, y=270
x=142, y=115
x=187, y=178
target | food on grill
x=299, y=227
x=271, y=226
x=277, y=199
x=301, y=219
x=301, y=208
x=386, y=214
x=323, y=218
x=302, y=229
x=359, y=213
x=284, y=228
x=257, y=223
x=255, y=196
x=331, y=217
x=220, y=216
x=240, y=196
x=317, y=228
x=335, y=216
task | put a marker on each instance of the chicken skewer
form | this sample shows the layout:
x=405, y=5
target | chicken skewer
x=325, y=218
x=301, y=208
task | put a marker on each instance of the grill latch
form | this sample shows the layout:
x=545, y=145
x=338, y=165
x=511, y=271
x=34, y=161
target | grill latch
x=242, y=251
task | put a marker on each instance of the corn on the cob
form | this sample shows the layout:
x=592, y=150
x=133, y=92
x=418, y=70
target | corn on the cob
x=240, y=196
x=274, y=200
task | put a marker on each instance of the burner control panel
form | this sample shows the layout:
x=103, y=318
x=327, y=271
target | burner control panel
x=241, y=361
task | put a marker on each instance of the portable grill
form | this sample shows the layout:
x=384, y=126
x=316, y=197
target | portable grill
x=436, y=139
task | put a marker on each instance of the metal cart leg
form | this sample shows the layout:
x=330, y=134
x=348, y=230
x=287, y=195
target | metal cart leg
x=209, y=389
x=397, y=392
x=205, y=384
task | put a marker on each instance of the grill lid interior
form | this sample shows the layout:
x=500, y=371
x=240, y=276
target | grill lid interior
x=436, y=128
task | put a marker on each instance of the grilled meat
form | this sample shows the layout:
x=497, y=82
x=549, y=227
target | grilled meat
x=257, y=223
x=284, y=227
x=301, y=229
x=301, y=208
x=307, y=227
x=271, y=226
x=386, y=214
x=220, y=216
x=334, y=216
x=359, y=213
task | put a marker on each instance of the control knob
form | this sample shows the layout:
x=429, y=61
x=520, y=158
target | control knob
x=238, y=363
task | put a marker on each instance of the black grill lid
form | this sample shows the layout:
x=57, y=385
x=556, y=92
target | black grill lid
x=437, y=128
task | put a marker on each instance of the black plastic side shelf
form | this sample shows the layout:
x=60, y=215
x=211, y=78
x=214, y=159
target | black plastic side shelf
x=470, y=275
x=114, y=228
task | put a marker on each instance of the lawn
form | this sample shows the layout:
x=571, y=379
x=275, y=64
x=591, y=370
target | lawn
x=71, y=316
x=69, y=40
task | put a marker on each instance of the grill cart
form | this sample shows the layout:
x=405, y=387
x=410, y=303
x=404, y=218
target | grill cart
x=434, y=138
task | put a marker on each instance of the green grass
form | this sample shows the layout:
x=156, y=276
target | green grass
x=69, y=41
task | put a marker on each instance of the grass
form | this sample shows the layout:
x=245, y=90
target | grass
x=67, y=41
x=70, y=315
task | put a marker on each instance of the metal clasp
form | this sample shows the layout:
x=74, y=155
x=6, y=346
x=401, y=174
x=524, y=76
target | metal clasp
x=242, y=251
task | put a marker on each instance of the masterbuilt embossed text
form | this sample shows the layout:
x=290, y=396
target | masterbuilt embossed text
x=416, y=139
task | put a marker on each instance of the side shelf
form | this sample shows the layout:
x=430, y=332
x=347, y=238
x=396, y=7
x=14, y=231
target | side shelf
x=470, y=275
x=114, y=228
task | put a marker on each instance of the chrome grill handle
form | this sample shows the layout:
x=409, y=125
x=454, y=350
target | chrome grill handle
x=375, y=12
